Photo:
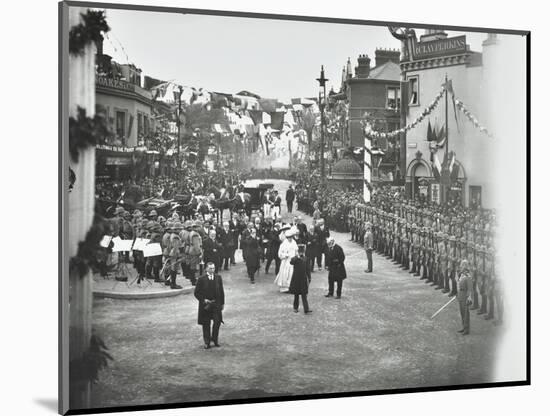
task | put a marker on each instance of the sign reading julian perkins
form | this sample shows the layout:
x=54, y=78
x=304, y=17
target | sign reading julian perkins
x=440, y=47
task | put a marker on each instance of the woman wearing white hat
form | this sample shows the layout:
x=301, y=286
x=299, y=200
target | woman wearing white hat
x=287, y=251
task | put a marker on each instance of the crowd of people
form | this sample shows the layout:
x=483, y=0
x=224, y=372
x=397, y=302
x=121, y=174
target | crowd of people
x=431, y=242
x=438, y=243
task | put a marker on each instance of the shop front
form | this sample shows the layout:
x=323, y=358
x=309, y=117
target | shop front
x=421, y=185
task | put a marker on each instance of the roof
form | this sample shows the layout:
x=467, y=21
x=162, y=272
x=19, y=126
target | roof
x=347, y=167
x=387, y=71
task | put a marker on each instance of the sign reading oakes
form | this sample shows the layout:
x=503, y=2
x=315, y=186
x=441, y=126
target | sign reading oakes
x=440, y=47
x=114, y=83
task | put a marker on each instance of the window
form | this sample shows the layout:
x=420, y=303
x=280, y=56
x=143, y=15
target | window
x=140, y=124
x=393, y=100
x=146, y=124
x=121, y=126
x=413, y=91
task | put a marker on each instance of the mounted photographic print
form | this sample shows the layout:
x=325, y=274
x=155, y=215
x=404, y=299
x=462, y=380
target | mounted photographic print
x=268, y=208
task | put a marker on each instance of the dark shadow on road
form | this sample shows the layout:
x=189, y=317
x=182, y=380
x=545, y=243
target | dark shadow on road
x=49, y=404
x=249, y=393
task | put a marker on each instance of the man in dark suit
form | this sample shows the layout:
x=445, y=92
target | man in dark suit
x=336, y=269
x=290, y=198
x=210, y=294
x=212, y=250
x=323, y=234
x=301, y=278
x=273, y=248
x=312, y=247
x=227, y=240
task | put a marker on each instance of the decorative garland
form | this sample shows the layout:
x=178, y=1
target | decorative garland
x=85, y=132
x=86, y=368
x=370, y=133
x=86, y=256
x=88, y=31
x=470, y=116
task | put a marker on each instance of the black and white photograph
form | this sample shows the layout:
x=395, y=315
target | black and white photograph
x=269, y=208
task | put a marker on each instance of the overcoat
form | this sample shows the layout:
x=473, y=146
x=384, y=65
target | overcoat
x=251, y=252
x=301, y=276
x=205, y=316
x=212, y=251
x=335, y=260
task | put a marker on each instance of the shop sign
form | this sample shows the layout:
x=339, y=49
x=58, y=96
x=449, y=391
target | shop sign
x=118, y=161
x=114, y=83
x=440, y=47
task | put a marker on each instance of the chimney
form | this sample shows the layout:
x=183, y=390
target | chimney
x=362, y=70
x=381, y=56
x=433, y=34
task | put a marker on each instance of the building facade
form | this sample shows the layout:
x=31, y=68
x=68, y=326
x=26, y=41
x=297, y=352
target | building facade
x=376, y=91
x=128, y=109
x=428, y=63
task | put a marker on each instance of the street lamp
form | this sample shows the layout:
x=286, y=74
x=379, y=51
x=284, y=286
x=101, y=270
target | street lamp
x=322, y=97
x=177, y=98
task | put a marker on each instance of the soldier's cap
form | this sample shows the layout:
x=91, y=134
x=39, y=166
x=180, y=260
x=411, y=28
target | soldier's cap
x=452, y=238
x=153, y=213
x=137, y=213
x=161, y=218
x=126, y=214
x=119, y=210
x=188, y=224
x=197, y=224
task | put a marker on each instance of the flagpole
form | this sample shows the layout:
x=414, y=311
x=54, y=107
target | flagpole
x=446, y=193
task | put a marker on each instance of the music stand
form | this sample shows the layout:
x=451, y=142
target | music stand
x=121, y=272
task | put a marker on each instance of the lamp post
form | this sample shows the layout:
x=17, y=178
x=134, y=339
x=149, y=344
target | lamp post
x=177, y=97
x=322, y=96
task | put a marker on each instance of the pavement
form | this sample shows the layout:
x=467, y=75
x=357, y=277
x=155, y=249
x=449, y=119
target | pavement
x=378, y=336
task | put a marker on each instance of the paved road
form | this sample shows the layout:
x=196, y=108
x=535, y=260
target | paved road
x=378, y=336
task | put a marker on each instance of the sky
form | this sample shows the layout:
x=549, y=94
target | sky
x=272, y=58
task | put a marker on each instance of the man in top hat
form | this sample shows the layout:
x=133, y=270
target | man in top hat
x=368, y=244
x=336, y=269
x=301, y=278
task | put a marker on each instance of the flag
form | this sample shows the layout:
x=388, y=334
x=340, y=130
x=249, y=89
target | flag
x=436, y=166
x=445, y=173
x=430, y=135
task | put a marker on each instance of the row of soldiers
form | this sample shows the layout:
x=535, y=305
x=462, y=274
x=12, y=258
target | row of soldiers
x=431, y=245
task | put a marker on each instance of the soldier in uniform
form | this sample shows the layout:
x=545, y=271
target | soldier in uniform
x=495, y=290
x=397, y=240
x=415, y=249
x=452, y=264
x=481, y=278
x=440, y=254
x=464, y=296
x=351, y=222
x=153, y=264
x=405, y=247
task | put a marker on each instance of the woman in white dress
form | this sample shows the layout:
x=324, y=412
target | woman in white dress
x=287, y=251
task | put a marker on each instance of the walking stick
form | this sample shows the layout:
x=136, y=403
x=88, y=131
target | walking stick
x=443, y=307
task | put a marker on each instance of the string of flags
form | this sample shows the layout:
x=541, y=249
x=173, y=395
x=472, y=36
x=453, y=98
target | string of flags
x=471, y=117
x=371, y=133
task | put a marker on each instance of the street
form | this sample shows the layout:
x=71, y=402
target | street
x=378, y=336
